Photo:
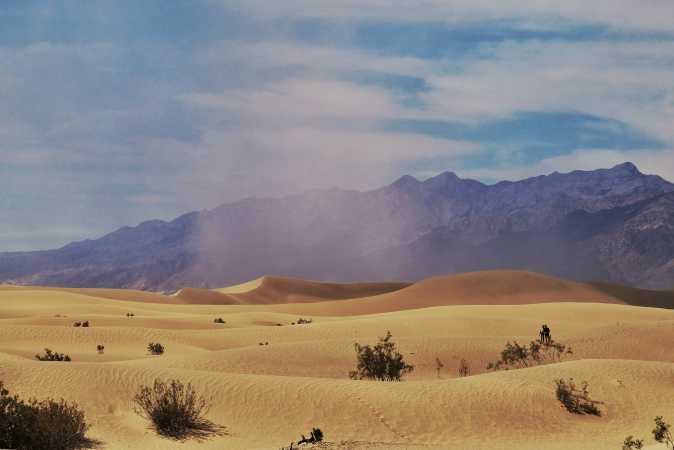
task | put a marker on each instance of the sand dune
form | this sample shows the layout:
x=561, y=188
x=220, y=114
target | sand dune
x=266, y=395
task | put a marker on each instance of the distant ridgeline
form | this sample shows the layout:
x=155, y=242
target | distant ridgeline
x=613, y=225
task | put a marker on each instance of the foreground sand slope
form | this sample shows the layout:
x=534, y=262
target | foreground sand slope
x=514, y=409
x=267, y=395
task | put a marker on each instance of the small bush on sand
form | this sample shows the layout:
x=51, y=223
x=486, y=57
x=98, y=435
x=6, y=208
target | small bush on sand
x=175, y=410
x=576, y=400
x=315, y=436
x=219, y=320
x=155, y=348
x=516, y=356
x=37, y=425
x=302, y=321
x=464, y=368
x=662, y=432
x=77, y=324
x=382, y=362
x=632, y=444
x=52, y=356
x=85, y=323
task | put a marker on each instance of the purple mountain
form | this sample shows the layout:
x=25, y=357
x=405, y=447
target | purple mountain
x=614, y=225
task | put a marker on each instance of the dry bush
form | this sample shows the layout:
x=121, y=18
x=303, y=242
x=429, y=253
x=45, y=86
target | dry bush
x=155, y=348
x=576, y=400
x=219, y=320
x=662, y=432
x=382, y=362
x=40, y=425
x=464, y=368
x=632, y=444
x=52, y=356
x=176, y=410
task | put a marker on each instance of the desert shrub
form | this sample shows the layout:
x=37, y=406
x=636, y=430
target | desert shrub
x=662, y=432
x=464, y=368
x=175, y=410
x=516, y=356
x=632, y=444
x=77, y=324
x=301, y=321
x=219, y=320
x=576, y=400
x=100, y=349
x=85, y=323
x=155, y=348
x=315, y=436
x=130, y=314
x=38, y=425
x=52, y=356
x=382, y=362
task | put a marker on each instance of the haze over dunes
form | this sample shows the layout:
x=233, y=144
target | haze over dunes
x=299, y=380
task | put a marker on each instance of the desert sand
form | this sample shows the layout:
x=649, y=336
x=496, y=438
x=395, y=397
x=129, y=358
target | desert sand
x=266, y=396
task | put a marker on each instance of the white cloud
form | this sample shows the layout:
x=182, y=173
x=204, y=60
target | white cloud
x=624, y=82
x=301, y=100
x=624, y=14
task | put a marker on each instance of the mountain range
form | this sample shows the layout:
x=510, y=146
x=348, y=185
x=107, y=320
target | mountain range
x=614, y=225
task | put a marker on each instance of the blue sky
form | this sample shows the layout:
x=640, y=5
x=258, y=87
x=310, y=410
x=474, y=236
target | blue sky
x=117, y=112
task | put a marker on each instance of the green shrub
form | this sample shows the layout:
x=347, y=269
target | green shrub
x=382, y=362
x=175, y=410
x=52, y=356
x=516, y=356
x=40, y=425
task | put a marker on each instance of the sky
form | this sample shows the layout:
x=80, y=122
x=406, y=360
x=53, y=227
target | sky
x=112, y=113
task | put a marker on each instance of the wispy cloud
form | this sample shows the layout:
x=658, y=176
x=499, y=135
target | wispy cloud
x=118, y=112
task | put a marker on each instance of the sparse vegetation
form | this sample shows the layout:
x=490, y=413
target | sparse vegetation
x=302, y=321
x=77, y=324
x=219, y=320
x=130, y=314
x=39, y=425
x=50, y=355
x=382, y=362
x=576, y=400
x=632, y=444
x=315, y=436
x=662, y=432
x=464, y=368
x=516, y=356
x=155, y=348
x=100, y=349
x=85, y=323
x=176, y=410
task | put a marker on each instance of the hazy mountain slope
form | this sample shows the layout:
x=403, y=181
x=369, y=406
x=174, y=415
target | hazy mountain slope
x=407, y=230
